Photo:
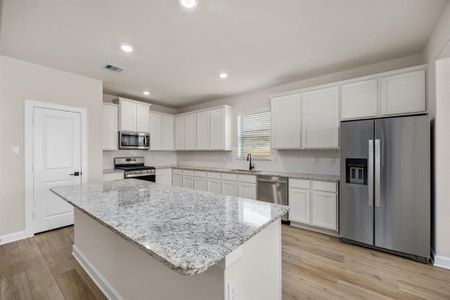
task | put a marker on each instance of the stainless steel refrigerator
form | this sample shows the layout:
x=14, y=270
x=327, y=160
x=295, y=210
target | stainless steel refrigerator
x=385, y=184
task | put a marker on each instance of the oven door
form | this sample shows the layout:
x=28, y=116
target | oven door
x=146, y=177
x=134, y=140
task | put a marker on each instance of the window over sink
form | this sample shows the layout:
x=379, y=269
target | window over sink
x=254, y=134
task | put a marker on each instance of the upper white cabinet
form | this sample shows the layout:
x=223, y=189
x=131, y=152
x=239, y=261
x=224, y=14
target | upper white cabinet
x=360, y=99
x=110, y=119
x=168, y=131
x=286, y=122
x=133, y=115
x=203, y=130
x=161, y=131
x=220, y=128
x=208, y=129
x=403, y=93
x=191, y=132
x=155, y=130
x=320, y=119
x=180, y=132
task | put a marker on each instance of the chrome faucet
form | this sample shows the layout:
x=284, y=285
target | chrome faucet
x=251, y=164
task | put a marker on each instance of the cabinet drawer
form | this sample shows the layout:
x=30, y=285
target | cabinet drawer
x=228, y=176
x=188, y=173
x=163, y=172
x=325, y=186
x=177, y=172
x=247, y=178
x=214, y=175
x=299, y=183
x=200, y=174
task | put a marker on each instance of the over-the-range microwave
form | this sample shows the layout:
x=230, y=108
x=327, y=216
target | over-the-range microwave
x=129, y=140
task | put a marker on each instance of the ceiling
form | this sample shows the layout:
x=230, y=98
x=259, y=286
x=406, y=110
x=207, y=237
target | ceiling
x=179, y=53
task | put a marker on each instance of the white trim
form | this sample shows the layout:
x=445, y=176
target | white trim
x=12, y=237
x=225, y=106
x=442, y=262
x=30, y=105
x=103, y=284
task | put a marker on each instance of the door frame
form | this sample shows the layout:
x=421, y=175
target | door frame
x=30, y=105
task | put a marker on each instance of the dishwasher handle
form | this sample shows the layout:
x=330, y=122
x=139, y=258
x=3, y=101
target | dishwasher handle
x=272, y=181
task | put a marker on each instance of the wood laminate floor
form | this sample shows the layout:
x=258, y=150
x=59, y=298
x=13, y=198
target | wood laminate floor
x=315, y=266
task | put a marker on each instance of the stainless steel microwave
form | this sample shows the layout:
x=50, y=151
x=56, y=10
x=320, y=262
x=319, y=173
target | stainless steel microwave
x=134, y=140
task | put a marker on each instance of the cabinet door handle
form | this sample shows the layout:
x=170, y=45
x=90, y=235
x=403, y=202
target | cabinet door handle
x=76, y=173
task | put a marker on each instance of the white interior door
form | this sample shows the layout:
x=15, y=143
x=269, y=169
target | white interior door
x=56, y=159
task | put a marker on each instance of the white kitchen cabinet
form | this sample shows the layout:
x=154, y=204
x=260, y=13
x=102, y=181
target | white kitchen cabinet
x=200, y=184
x=229, y=187
x=203, y=130
x=133, y=115
x=220, y=128
x=164, y=176
x=247, y=190
x=168, y=131
x=324, y=209
x=188, y=181
x=191, y=132
x=127, y=115
x=155, y=130
x=213, y=185
x=299, y=205
x=320, y=119
x=286, y=122
x=359, y=99
x=110, y=127
x=403, y=93
x=142, y=117
x=180, y=132
x=177, y=180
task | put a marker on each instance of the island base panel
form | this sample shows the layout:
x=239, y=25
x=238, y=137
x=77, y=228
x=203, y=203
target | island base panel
x=123, y=271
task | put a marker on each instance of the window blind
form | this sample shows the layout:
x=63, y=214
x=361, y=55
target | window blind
x=254, y=134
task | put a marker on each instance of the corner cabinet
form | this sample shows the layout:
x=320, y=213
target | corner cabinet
x=161, y=129
x=110, y=128
x=133, y=115
x=207, y=129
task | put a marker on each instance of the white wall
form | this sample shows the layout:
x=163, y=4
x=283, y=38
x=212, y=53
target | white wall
x=439, y=106
x=20, y=80
x=152, y=158
x=326, y=162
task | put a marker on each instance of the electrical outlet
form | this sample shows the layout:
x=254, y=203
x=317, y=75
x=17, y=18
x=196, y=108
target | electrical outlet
x=233, y=290
x=15, y=150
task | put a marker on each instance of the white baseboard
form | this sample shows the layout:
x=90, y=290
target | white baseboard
x=442, y=262
x=12, y=237
x=103, y=284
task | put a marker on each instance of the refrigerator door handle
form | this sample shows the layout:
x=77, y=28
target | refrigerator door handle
x=377, y=173
x=370, y=173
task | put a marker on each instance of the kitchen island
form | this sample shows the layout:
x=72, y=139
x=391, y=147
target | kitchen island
x=142, y=240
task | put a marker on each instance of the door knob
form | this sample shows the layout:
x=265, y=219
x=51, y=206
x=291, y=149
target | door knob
x=75, y=174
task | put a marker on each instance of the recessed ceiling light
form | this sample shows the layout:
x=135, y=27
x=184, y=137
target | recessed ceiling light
x=223, y=75
x=146, y=93
x=126, y=48
x=189, y=3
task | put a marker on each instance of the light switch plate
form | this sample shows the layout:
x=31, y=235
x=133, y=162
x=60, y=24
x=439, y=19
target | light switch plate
x=15, y=150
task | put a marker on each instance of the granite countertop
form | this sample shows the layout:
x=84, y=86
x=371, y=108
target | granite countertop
x=109, y=171
x=320, y=177
x=185, y=229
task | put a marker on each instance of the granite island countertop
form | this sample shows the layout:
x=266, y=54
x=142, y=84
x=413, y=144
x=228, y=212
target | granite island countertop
x=185, y=229
x=294, y=175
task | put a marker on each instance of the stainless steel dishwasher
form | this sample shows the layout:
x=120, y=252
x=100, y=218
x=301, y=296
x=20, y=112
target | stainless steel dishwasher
x=273, y=189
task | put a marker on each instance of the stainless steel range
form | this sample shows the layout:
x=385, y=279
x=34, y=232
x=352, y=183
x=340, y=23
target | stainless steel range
x=134, y=167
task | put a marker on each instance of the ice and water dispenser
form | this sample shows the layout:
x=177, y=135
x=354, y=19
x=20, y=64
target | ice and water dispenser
x=356, y=171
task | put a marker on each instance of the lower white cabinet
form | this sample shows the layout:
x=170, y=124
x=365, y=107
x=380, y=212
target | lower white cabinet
x=324, y=210
x=213, y=185
x=177, y=180
x=188, y=182
x=313, y=203
x=299, y=200
x=164, y=176
x=229, y=187
x=247, y=190
x=200, y=184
